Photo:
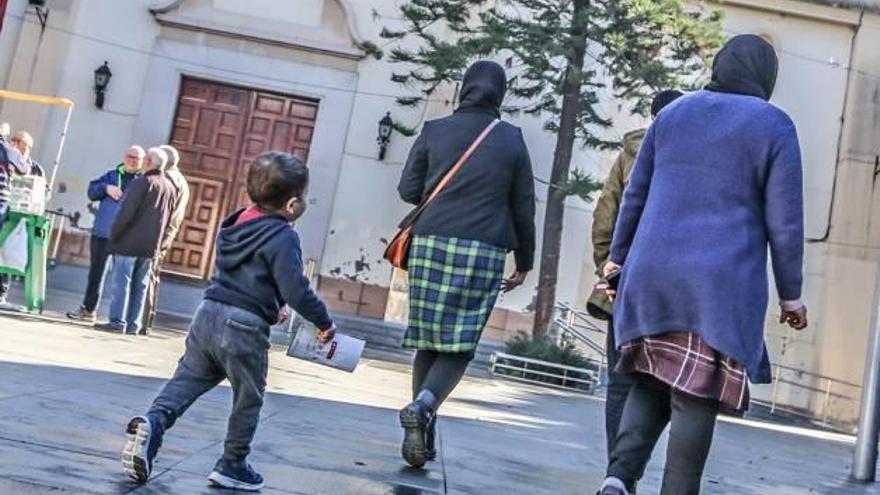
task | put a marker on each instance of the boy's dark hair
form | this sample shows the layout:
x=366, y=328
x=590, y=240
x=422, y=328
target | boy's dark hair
x=664, y=98
x=274, y=178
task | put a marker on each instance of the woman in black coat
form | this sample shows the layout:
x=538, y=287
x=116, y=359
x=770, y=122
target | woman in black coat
x=457, y=259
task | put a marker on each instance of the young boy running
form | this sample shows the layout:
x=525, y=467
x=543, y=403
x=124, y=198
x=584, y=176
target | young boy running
x=257, y=270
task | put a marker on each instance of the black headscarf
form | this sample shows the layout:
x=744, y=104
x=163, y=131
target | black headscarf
x=483, y=88
x=747, y=65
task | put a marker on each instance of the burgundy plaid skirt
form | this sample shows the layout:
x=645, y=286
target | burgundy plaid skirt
x=686, y=363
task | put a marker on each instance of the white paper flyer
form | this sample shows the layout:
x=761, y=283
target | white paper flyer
x=342, y=353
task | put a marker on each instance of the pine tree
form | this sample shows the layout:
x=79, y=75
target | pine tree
x=562, y=55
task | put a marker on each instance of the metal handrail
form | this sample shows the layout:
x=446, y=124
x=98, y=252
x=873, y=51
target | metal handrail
x=504, y=355
x=599, y=348
x=579, y=314
x=816, y=375
x=572, y=321
x=589, y=377
x=826, y=392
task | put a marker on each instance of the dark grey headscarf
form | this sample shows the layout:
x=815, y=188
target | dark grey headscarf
x=483, y=88
x=747, y=65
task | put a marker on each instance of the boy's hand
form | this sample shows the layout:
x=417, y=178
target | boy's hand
x=327, y=335
x=283, y=316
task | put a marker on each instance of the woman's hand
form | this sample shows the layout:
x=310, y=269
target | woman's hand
x=795, y=318
x=610, y=268
x=515, y=280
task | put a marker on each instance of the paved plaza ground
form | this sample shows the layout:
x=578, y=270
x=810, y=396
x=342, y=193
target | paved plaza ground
x=66, y=392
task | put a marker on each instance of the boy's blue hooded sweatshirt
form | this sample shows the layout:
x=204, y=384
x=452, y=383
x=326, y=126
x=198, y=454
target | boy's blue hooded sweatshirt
x=259, y=268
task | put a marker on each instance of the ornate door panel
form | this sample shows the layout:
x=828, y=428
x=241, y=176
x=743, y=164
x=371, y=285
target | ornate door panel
x=219, y=130
x=207, y=133
x=276, y=122
x=192, y=252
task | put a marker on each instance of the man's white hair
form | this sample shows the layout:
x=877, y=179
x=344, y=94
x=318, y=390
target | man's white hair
x=25, y=137
x=173, y=156
x=157, y=159
x=137, y=149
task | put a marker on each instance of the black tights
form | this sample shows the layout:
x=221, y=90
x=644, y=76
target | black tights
x=651, y=406
x=438, y=372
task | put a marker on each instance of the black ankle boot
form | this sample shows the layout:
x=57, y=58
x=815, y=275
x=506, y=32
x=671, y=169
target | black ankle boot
x=431, y=439
x=415, y=419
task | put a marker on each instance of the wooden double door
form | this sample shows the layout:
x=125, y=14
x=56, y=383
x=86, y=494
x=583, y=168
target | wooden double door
x=219, y=130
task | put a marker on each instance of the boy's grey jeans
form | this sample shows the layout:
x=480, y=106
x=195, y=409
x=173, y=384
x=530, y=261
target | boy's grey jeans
x=223, y=342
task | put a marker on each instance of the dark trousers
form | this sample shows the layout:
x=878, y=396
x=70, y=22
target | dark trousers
x=223, y=342
x=652, y=405
x=617, y=390
x=152, y=295
x=438, y=372
x=98, y=257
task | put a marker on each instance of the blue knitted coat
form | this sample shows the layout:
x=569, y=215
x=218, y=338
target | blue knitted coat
x=717, y=181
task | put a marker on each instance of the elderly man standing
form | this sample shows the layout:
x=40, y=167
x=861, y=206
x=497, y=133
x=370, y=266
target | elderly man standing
x=135, y=238
x=178, y=214
x=24, y=143
x=107, y=190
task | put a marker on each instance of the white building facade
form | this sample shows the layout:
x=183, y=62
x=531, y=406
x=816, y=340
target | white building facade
x=224, y=80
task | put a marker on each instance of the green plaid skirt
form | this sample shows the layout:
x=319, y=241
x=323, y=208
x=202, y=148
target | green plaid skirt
x=453, y=286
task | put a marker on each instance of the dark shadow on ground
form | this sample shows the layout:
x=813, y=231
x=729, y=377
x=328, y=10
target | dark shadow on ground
x=62, y=428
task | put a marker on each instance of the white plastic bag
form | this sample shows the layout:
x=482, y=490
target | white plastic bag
x=14, y=251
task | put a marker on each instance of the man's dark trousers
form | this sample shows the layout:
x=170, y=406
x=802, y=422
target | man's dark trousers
x=97, y=272
x=152, y=295
x=619, y=385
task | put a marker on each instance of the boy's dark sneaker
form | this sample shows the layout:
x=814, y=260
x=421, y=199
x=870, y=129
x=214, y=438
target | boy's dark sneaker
x=431, y=440
x=414, y=419
x=236, y=475
x=142, y=443
x=82, y=314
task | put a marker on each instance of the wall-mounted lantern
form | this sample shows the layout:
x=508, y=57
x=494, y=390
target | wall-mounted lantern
x=102, y=80
x=386, y=127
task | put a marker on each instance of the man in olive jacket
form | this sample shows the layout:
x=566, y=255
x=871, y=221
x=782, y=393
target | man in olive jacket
x=604, y=218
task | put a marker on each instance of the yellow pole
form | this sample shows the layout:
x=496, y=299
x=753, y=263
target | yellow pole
x=46, y=100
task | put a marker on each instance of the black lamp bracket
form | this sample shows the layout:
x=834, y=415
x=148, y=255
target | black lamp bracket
x=42, y=16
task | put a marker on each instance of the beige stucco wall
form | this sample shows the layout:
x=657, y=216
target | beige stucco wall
x=845, y=294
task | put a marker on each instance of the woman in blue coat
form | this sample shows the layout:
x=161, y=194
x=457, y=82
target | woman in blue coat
x=717, y=181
